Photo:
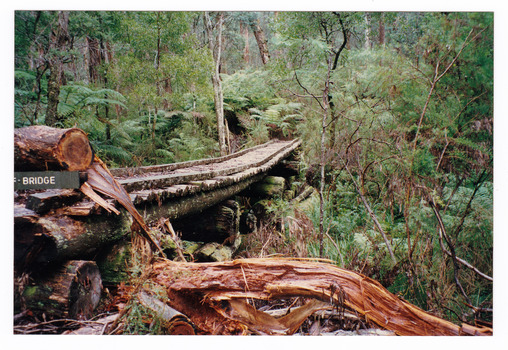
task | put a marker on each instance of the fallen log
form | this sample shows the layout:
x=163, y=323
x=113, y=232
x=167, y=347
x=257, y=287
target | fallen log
x=39, y=241
x=73, y=291
x=210, y=295
x=44, y=148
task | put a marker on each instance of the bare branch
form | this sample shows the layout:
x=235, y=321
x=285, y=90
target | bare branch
x=442, y=234
x=308, y=92
x=372, y=215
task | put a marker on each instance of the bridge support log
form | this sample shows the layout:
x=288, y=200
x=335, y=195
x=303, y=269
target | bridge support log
x=41, y=240
x=220, y=223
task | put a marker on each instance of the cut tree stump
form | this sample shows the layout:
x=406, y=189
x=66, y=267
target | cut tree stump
x=44, y=148
x=73, y=291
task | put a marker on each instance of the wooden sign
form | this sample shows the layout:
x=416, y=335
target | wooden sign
x=42, y=180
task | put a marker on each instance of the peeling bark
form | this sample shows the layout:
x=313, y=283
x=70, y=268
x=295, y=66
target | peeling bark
x=213, y=296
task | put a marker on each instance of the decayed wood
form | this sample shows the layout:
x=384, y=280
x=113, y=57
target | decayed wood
x=194, y=204
x=41, y=240
x=174, y=322
x=44, y=148
x=73, y=291
x=220, y=223
x=218, y=286
x=81, y=229
x=44, y=201
x=101, y=179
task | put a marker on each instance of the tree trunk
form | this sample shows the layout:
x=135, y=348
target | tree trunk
x=174, y=322
x=259, y=34
x=220, y=223
x=58, y=42
x=43, y=148
x=214, y=297
x=244, y=29
x=367, y=31
x=72, y=292
x=39, y=241
x=215, y=48
x=382, y=29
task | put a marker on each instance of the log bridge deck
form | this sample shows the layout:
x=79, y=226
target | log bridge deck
x=64, y=224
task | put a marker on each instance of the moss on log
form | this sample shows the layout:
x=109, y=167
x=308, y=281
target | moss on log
x=41, y=240
x=73, y=291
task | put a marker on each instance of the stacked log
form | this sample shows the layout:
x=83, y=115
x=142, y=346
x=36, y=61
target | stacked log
x=72, y=291
x=44, y=148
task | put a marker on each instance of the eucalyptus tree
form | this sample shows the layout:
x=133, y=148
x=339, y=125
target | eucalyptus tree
x=214, y=34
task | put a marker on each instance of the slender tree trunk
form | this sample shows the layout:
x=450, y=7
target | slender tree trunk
x=217, y=86
x=367, y=30
x=382, y=30
x=259, y=34
x=58, y=42
x=244, y=29
x=326, y=105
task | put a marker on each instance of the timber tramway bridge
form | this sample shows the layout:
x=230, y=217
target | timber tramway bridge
x=64, y=224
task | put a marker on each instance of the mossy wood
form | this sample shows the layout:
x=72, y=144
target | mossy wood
x=72, y=291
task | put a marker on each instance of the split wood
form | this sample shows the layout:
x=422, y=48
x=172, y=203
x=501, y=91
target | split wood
x=214, y=296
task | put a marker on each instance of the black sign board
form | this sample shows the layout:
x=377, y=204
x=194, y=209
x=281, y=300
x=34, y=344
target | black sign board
x=42, y=180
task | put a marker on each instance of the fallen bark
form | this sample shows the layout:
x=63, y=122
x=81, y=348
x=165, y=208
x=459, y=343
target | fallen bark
x=44, y=148
x=213, y=295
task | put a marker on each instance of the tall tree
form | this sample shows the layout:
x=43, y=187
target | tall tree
x=215, y=46
x=59, y=41
x=259, y=34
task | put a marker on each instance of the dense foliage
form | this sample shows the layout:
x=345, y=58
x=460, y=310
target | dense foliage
x=403, y=102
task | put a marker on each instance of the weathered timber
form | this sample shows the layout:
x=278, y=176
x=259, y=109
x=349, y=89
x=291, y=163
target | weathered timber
x=114, y=262
x=218, y=287
x=173, y=322
x=41, y=240
x=180, y=207
x=101, y=179
x=44, y=201
x=96, y=327
x=269, y=187
x=218, y=182
x=129, y=172
x=219, y=223
x=252, y=159
x=72, y=291
x=44, y=148
x=41, y=237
